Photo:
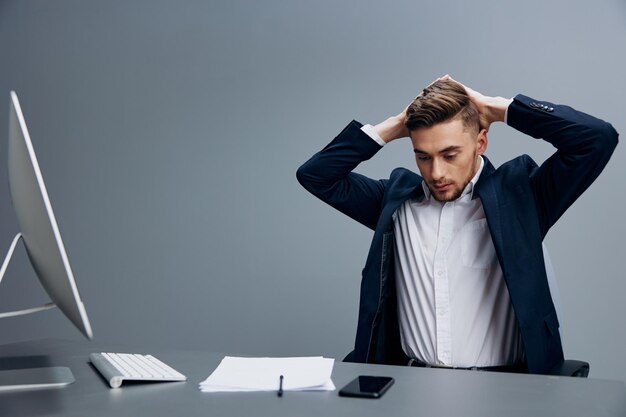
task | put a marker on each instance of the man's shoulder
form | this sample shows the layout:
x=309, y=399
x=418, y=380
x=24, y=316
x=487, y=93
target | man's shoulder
x=509, y=176
x=404, y=175
x=521, y=166
x=401, y=181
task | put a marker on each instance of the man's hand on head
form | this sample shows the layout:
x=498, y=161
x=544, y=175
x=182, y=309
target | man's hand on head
x=490, y=109
x=392, y=128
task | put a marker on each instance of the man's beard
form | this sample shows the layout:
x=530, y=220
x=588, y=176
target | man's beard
x=456, y=192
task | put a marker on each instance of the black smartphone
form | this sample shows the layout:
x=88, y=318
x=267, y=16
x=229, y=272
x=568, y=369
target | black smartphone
x=366, y=386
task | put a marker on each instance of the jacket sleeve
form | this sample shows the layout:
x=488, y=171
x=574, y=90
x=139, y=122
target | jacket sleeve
x=584, y=145
x=328, y=175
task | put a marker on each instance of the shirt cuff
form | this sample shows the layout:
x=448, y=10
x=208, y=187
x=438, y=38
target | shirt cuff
x=506, y=114
x=371, y=132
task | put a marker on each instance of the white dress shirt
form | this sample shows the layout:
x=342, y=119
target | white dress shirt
x=453, y=304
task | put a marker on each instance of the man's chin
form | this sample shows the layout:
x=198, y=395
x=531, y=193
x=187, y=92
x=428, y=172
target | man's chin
x=445, y=196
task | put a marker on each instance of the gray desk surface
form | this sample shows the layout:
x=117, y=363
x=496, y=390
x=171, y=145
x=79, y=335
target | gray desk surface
x=417, y=392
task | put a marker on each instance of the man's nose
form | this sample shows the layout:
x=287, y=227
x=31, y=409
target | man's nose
x=437, y=170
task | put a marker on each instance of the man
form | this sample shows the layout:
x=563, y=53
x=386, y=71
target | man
x=455, y=275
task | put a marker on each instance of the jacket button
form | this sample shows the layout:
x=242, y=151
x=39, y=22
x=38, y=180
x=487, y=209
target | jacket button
x=540, y=106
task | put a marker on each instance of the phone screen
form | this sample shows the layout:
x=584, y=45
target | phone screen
x=367, y=386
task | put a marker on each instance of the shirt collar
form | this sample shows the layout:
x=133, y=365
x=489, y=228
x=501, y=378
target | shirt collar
x=469, y=188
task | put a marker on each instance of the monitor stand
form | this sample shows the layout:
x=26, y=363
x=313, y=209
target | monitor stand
x=31, y=378
x=35, y=378
x=5, y=264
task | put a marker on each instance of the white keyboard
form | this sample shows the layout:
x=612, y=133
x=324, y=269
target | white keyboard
x=119, y=367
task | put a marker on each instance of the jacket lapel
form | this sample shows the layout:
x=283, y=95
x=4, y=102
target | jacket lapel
x=485, y=190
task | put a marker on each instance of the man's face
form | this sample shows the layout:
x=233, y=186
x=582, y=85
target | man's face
x=447, y=156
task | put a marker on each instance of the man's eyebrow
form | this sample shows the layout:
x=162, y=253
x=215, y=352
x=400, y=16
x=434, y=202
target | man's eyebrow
x=448, y=149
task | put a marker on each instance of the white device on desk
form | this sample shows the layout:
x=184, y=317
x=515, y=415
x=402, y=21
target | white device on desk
x=39, y=232
x=119, y=367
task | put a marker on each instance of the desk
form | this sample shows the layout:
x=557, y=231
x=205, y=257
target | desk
x=417, y=391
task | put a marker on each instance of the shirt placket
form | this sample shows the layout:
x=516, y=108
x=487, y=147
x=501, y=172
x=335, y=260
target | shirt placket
x=442, y=287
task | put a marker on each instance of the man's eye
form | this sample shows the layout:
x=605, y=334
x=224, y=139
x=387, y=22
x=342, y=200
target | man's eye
x=423, y=158
x=450, y=156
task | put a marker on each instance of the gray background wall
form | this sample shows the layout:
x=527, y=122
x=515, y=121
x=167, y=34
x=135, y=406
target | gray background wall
x=169, y=133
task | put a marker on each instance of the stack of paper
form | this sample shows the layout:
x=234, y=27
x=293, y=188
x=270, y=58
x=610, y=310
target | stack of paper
x=263, y=374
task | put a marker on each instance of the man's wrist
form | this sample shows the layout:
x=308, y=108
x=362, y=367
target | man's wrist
x=496, y=109
x=392, y=128
x=369, y=131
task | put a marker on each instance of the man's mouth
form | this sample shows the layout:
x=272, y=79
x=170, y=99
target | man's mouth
x=442, y=187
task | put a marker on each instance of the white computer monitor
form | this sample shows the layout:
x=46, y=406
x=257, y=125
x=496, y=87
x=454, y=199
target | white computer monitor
x=39, y=232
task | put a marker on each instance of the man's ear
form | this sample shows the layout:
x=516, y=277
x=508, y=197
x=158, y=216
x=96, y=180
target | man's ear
x=481, y=142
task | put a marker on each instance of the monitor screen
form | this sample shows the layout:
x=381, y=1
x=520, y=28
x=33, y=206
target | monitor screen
x=37, y=223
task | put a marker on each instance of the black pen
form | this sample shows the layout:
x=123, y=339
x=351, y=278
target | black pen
x=280, y=386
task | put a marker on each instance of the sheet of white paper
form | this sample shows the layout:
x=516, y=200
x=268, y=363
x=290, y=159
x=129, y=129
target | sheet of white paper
x=263, y=374
x=329, y=386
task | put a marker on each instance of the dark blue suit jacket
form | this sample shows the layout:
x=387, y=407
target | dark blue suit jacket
x=521, y=201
